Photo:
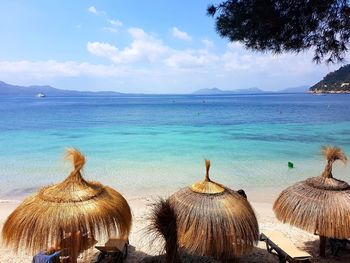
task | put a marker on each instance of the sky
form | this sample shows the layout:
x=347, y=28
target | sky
x=152, y=46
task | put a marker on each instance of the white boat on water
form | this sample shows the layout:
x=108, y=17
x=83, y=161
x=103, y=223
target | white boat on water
x=40, y=95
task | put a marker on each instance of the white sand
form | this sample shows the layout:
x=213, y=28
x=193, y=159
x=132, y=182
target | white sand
x=142, y=246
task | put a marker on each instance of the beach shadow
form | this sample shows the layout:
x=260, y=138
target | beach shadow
x=257, y=255
x=134, y=256
x=185, y=258
x=312, y=247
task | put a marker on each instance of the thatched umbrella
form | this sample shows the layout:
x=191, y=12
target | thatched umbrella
x=319, y=204
x=67, y=211
x=206, y=219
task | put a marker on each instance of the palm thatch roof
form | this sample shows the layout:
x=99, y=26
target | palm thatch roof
x=163, y=223
x=73, y=206
x=319, y=204
x=210, y=220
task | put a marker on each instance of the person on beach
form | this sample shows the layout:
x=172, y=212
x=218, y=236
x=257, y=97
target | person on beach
x=51, y=255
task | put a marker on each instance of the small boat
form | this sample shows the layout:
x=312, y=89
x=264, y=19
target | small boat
x=40, y=95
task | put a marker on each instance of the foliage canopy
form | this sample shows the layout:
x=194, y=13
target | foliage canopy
x=287, y=26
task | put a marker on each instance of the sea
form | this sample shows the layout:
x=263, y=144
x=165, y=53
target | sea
x=155, y=144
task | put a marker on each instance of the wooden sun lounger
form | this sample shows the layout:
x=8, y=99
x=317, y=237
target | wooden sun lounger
x=115, y=248
x=285, y=249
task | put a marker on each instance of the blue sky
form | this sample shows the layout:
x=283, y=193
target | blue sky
x=149, y=46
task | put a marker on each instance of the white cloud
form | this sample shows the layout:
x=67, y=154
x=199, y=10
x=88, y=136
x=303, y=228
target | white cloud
x=180, y=72
x=237, y=58
x=144, y=48
x=186, y=59
x=235, y=46
x=110, y=29
x=234, y=66
x=139, y=33
x=94, y=11
x=208, y=43
x=177, y=33
x=147, y=49
x=147, y=64
x=53, y=69
x=101, y=49
x=116, y=22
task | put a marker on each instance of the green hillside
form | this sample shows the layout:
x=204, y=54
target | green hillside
x=335, y=82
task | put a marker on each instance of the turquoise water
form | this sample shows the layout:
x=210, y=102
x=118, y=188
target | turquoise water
x=154, y=144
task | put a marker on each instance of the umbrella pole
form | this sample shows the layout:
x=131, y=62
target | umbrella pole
x=323, y=240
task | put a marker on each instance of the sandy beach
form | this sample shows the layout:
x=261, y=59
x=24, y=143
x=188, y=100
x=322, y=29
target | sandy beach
x=142, y=245
x=210, y=124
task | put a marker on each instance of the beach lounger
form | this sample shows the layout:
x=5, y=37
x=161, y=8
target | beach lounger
x=285, y=249
x=114, y=248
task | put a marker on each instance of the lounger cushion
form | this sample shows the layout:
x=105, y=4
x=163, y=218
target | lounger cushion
x=280, y=240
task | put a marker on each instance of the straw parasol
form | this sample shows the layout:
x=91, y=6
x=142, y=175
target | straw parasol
x=69, y=210
x=208, y=219
x=319, y=204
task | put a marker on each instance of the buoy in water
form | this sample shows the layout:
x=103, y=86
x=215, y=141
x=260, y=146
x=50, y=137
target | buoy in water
x=290, y=165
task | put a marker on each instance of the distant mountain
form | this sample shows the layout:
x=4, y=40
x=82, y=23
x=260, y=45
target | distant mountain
x=216, y=91
x=299, y=89
x=14, y=90
x=335, y=82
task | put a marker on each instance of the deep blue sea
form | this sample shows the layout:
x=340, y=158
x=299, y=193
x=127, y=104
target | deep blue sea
x=152, y=144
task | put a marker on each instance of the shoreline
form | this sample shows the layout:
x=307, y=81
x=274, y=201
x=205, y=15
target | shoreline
x=254, y=194
x=329, y=92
